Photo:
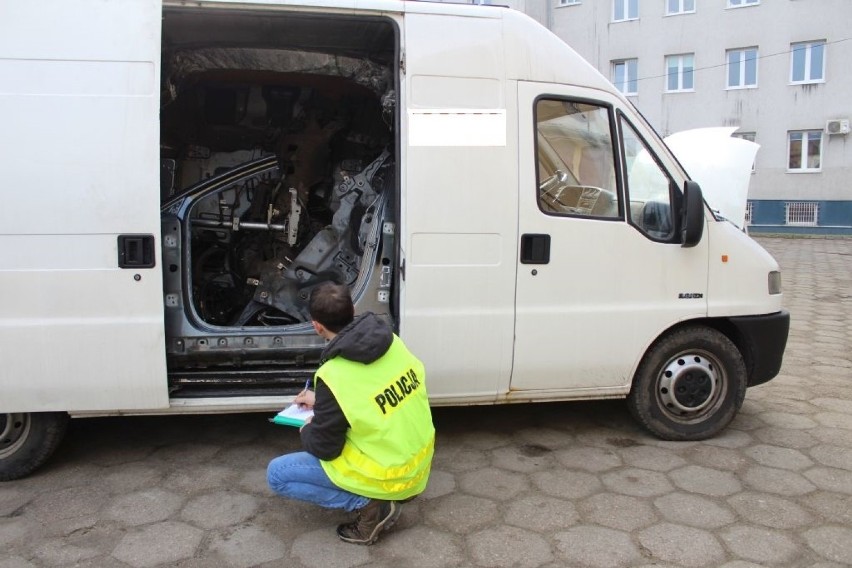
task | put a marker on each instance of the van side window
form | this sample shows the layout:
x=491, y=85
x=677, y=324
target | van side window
x=576, y=167
x=649, y=188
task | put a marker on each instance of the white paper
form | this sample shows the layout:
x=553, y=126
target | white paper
x=297, y=412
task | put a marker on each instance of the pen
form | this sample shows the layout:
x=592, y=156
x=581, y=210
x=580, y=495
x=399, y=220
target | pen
x=307, y=388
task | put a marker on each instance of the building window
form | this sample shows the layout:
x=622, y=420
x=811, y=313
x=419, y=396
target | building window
x=623, y=10
x=750, y=136
x=742, y=68
x=679, y=7
x=679, y=73
x=741, y=3
x=749, y=215
x=807, y=62
x=801, y=214
x=568, y=2
x=804, y=151
x=624, y=74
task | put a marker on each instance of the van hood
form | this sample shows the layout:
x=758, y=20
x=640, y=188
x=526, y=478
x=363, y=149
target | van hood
x=721, y=165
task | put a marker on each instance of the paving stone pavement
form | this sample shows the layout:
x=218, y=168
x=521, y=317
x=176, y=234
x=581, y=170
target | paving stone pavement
x=568, y=484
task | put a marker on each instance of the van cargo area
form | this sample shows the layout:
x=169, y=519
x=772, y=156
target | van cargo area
x=279, y=171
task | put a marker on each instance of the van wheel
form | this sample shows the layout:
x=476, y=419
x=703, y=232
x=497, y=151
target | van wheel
x=689, y=386
x=27, y=440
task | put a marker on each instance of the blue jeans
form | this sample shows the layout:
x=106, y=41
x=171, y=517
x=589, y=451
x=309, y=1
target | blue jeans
x=300, y=476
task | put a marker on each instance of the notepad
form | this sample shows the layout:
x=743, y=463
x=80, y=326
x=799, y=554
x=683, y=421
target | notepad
x=293, y=415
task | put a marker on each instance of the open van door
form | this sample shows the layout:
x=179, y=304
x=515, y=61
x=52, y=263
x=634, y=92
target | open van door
x=602, y=270
x=458, y=199
x=81, y=314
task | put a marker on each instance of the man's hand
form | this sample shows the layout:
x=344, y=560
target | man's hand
x=307, y=421
x=305, y=399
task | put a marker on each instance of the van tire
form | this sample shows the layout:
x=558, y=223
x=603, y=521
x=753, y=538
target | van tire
x=27, y=440
x=690, y=384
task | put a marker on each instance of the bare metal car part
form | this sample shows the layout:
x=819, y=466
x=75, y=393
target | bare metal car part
x=333, y=254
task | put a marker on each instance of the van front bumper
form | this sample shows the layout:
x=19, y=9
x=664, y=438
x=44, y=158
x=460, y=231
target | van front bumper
x=764, y=338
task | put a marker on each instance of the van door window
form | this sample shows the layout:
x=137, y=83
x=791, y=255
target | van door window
x=649, y=188
x=576, y=166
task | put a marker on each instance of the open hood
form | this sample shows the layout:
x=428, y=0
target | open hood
x=721, y=165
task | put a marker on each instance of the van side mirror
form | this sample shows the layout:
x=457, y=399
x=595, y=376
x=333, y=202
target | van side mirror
x=692, y=219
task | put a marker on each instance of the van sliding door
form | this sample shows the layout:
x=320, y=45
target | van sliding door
x=81, y=316
x=458, y=206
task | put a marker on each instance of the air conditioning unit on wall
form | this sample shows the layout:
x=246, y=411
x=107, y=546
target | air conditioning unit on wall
x=837, y=126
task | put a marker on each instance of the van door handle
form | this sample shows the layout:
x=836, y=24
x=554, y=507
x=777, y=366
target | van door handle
x=535, y=249
x=136, y=251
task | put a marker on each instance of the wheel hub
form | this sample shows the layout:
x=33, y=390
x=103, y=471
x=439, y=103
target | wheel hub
x=13, y=429
x=688, y=384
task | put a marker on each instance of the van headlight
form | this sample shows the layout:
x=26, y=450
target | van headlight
x=775, y=282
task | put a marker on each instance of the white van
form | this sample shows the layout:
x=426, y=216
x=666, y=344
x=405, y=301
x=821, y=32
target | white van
x=177, y=176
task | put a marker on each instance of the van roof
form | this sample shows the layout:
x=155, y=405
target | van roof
x=397, y=6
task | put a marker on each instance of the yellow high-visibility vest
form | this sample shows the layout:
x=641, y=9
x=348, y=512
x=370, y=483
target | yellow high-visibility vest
x=389, y=445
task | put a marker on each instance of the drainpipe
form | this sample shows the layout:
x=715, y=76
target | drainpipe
x=548, y=4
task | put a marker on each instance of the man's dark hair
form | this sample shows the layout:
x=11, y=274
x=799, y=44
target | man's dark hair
x=331, y=305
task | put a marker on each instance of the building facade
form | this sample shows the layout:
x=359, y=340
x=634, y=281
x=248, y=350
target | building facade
x=775, y=69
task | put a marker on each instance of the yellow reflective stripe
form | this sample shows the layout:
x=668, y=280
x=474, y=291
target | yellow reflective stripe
x=389, y=489
x=352, y=469
x=357, y=461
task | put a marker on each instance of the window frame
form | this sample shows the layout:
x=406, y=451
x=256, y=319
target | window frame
x=808, y=67
x=616, y=148
x=680, y=73
x=626, y=11
x=628, y=81
x=681, y=10
x=675, y=194
x=741, y=3
x=742, y=62
x=805, y=143
x=751, y=136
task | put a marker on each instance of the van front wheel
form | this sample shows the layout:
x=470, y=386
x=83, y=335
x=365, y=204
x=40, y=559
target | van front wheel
x=27, y=440
x=690, y=385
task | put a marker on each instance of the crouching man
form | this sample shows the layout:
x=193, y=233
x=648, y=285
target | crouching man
x=370, y=442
